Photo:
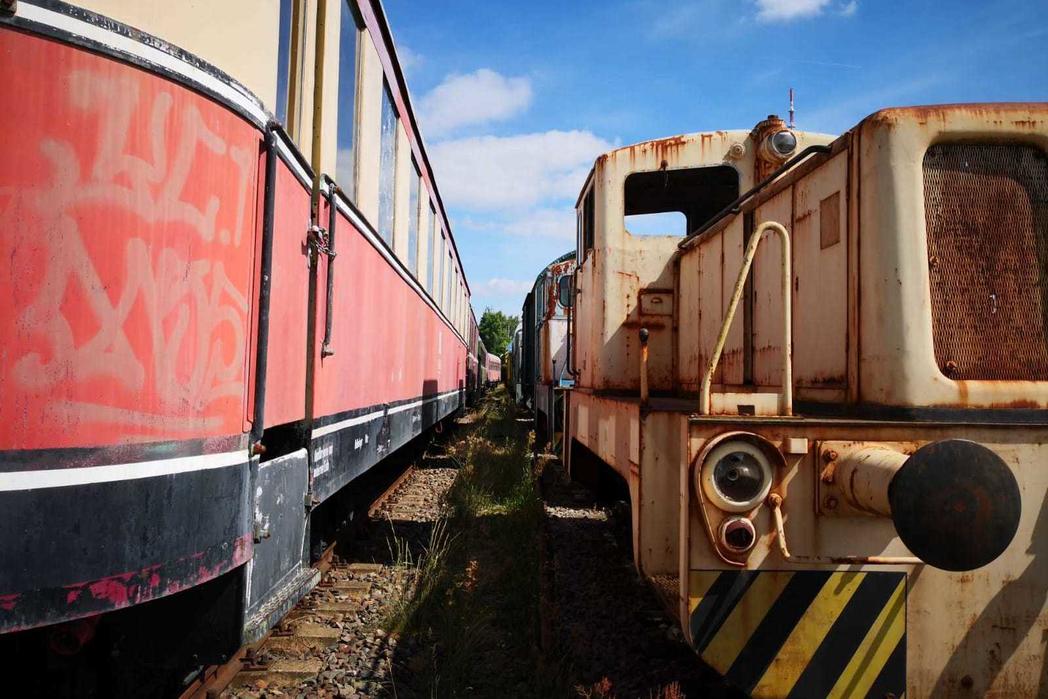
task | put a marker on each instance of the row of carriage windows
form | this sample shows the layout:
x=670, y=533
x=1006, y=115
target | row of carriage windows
x=429, y=256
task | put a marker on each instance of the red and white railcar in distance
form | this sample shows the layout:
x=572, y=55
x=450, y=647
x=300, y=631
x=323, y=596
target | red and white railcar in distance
x=206, y=333
x=492, y=369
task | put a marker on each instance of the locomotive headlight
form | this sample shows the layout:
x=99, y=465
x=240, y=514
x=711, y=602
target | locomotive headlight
x=736, y=476
x=737, y=534
x=783, y=143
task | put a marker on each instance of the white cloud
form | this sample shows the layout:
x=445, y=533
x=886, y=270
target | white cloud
x=474, y=98
x=499, y=286
x=769, y=10
x=850, y=9
x=409, y=59
x=545, y=222
x=491, y=172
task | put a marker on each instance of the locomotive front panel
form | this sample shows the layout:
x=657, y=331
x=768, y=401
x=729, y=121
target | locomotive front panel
x=884, y=533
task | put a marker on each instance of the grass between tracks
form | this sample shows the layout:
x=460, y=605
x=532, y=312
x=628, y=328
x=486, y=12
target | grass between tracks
x=473, y=611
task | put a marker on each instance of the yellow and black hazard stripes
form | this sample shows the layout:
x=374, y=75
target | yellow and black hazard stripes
x=802, y=634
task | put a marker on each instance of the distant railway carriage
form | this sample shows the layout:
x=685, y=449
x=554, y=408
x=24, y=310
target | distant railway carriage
x=474, y=368
x=545, y=341
x=230, y=289
x=492, y=369
x=516, y=364
x=825, y=384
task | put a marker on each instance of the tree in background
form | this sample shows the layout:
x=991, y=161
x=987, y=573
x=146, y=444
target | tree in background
x=496, y=330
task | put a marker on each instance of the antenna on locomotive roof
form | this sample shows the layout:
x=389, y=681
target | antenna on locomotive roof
x=791, y=108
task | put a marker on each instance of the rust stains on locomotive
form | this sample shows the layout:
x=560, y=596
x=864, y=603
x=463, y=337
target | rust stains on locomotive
x=862, y=351
x=556, y=271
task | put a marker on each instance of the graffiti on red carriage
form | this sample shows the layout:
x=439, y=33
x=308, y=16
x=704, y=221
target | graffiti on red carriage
x=141, y=240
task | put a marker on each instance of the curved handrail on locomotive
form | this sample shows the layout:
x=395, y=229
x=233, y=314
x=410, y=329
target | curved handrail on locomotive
x=875, y=523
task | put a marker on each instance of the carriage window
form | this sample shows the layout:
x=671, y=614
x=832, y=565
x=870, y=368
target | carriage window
x=447, y=279
x=675, y=202
x=387, y=166
x=284, y=59
x=346, y=129
x=414, y=211
x=431, y=253
x=443, y=263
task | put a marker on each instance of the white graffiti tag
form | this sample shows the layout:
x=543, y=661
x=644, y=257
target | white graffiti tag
x=196, y=317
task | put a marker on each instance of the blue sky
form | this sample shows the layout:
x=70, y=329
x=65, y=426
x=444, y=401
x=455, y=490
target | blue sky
x=516, y=99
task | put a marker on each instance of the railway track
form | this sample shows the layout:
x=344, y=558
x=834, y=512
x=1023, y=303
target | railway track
x=332, y=643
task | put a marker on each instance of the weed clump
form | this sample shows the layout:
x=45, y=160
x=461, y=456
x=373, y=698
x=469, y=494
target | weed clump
x=472, y=611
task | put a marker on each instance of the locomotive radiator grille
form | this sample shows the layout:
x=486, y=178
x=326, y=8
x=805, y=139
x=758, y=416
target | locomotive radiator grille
x=986, y=208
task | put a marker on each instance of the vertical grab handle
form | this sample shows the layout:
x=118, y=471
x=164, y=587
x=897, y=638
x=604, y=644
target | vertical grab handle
x=786, y=397
x=325, y=348
x=644, y=367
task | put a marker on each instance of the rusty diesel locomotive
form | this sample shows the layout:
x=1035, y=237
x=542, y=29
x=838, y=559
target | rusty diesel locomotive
x=820, y=365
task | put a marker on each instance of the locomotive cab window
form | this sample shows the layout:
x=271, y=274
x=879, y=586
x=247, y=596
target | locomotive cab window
x=674, y=202
x=564, y=290
x=664, y=223
x=586, y=222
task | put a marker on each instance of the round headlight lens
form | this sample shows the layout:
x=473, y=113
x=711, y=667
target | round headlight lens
x=783, y=142
x=738, y=476
x=737, y=534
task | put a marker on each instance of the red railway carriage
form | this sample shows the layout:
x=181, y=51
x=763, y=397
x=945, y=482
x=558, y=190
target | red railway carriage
x=474, y=371
x=193, y=307
x=492, y=368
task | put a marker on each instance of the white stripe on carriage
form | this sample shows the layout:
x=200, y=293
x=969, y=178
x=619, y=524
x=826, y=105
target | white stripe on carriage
x=360, y=419
x=349, y=422
x=66, y=477
x=291, y=161
x=131, y=47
